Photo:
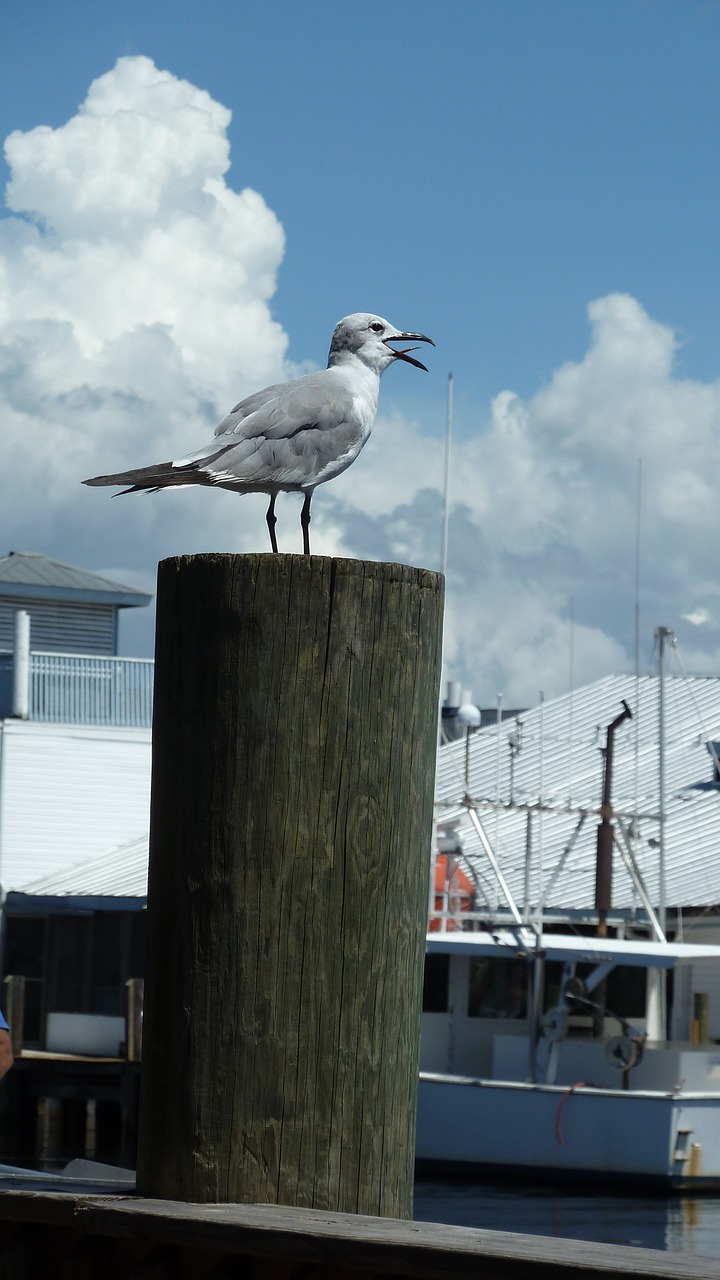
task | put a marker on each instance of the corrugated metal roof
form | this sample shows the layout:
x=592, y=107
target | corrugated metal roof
x=552, y=757
x=118, y=873
x=29, y=574
x=558, y=765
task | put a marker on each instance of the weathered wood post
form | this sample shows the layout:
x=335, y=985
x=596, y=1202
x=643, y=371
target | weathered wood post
x=15, y=1011
x=134, y=1019
x=293, y=767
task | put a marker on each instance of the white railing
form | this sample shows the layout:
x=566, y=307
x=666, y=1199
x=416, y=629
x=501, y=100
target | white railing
x=68, y=688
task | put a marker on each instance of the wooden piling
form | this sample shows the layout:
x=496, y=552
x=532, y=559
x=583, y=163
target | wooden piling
x=134, y=1019
x=294, y=751
x=15, y=1011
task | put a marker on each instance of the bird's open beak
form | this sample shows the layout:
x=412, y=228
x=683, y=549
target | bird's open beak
x=404, y=355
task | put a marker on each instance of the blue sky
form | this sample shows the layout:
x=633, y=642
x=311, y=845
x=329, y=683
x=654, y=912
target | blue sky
x=481, y=171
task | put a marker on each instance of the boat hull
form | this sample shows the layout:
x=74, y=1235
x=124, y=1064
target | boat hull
x=641, y=1139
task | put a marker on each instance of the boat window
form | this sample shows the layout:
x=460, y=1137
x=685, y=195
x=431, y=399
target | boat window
x=436, y=983
x=627, y=991
x=498, y=988
x=624, y=994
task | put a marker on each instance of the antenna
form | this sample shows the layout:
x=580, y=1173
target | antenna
x=571, y=705
x=663, y=636
x=635, y=826
x=541, y=802
x=638, y=512
x=446, y=482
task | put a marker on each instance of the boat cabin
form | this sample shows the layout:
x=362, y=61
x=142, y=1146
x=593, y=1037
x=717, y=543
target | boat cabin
x=559, y=1009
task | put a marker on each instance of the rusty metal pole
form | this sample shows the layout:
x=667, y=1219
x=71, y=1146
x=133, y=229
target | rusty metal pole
x=603, y=865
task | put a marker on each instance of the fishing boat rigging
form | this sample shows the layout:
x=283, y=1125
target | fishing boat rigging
x=546, y=1043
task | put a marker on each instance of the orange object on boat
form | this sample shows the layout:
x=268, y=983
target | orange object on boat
x=453, y=891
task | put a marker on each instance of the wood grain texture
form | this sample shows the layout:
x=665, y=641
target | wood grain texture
x=293, y=768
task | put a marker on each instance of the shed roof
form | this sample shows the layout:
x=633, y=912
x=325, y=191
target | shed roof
x=35, y=576
x=120, y=873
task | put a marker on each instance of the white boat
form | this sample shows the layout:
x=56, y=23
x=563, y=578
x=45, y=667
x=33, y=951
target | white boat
x=572, y=1041
x=545, y=1054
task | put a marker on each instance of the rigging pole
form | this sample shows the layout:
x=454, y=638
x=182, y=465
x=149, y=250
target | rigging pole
x=662, y=635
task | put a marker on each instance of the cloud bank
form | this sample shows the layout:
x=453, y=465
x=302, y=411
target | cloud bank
x=135, y=290
x=549, y=496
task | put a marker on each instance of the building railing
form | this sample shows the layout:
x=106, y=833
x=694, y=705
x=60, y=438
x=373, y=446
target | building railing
x=68, y=688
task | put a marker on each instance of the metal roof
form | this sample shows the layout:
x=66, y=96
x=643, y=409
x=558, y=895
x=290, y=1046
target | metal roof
x=34, y=576
x=533, y=779
x=121, y=872
x=550, y=782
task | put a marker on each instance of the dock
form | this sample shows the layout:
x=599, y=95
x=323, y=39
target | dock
x=73, y=1080
x=293, y=781
x=122, y=1237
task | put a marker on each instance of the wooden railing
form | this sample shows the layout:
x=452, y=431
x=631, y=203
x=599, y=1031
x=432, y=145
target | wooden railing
x=46, y=1234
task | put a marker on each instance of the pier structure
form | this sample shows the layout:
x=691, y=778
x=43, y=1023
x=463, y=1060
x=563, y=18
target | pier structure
x=295, y=722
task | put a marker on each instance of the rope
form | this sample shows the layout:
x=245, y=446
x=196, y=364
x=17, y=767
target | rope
x=579, y=1084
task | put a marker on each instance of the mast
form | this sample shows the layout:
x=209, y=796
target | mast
x=446, y=480
x=656, y=1012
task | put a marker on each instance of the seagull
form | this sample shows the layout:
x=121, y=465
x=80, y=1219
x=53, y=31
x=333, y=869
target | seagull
x=294, y=436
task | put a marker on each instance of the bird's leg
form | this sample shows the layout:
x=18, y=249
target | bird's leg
x=305, y=522
x=271, y=519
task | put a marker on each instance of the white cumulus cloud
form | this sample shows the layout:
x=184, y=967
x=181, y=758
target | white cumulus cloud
x=542, y=573
x=135, y=282
x=135, y=290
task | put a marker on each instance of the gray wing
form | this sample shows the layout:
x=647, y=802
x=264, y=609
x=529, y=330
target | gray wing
x=286, y=435
x=319, y=399
x=291, y=436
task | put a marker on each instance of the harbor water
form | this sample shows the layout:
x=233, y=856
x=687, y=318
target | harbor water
x=677, y=1224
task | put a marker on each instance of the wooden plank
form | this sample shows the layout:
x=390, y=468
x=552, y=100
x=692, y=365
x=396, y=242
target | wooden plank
x=293, y=770
x=368, y=1245
x=45, y=1056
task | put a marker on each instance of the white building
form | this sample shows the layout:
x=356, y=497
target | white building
x=74, y=782
x=74, y=719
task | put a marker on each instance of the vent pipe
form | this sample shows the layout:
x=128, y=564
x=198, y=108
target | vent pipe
x=603, y=865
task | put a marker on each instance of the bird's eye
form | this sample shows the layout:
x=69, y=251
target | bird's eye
x=377, y=327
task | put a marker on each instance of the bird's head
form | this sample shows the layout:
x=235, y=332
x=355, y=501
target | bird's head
x=368, y=337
